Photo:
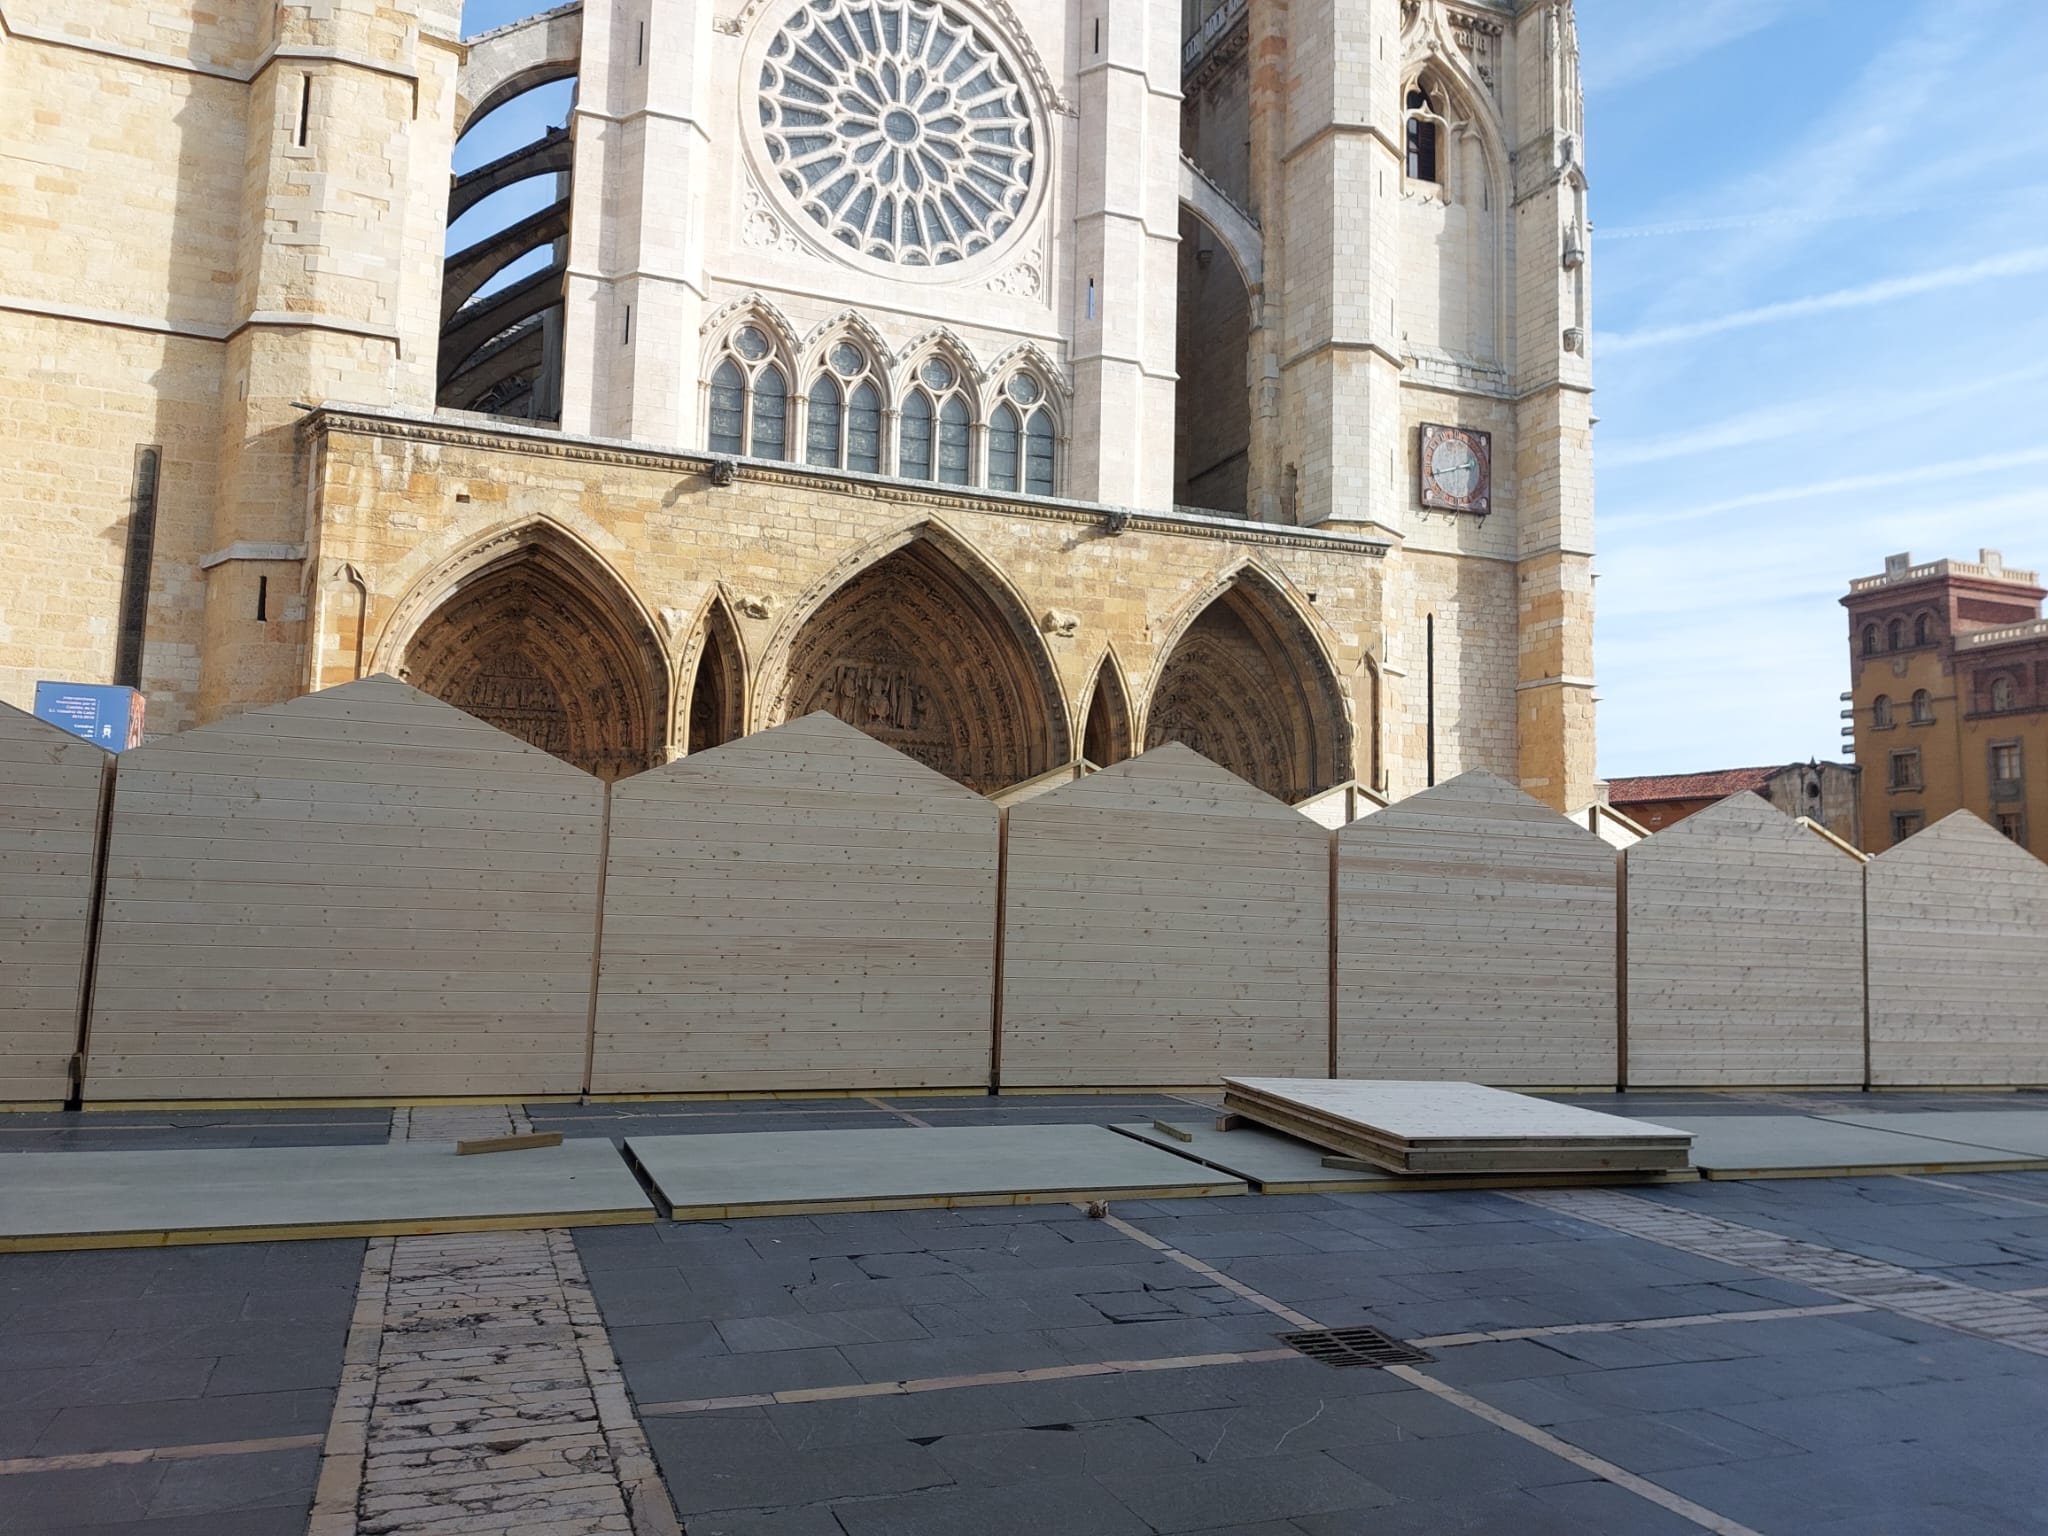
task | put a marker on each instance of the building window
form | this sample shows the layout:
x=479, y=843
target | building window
x=2013, y=824
x=844, y=416
x=2001, y=695
x=1905, y=770
x=1022, y=440
x=1905, y=824
x=2008, y=772
x=749, y=406
x=1881, y=712
x=1870, y=639
x=1923, y=707
x=1422, y=135
x=1923, y=629
x=1895, y=635
x=938, y=427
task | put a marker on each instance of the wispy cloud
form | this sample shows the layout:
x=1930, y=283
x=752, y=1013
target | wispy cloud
x=1865, y=408
x=1677, y=35
x=2000, y=463
x=2020, y=263
x=1763, y=219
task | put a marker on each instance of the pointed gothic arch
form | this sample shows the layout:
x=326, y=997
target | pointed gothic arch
x=714, y=708
x=1106, y=732
x=1249, y=685
x=925, y=647
x=531, y=631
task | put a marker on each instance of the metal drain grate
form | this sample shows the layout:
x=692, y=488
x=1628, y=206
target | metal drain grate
x=1343, y=1347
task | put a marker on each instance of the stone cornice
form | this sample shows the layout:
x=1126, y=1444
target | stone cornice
x=377, y=421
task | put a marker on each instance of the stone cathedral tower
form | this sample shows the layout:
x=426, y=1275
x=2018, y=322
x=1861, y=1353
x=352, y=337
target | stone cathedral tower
x=1025, y=381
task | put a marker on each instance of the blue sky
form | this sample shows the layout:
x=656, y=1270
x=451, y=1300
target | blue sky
x=1820, y=250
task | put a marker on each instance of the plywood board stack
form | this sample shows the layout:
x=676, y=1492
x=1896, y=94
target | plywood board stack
x=1164, y=923
x=1744, y=937
x=802, y=909
x=50, y=796
x=1438, y=1128
x=1475, y=940
x=362, y=893
x=1958, y=959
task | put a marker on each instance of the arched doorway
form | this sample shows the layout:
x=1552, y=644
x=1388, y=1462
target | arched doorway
x=1248, y=688
x=542, y=641
x=717, y=710
x=932, y=656
x=1106, y=738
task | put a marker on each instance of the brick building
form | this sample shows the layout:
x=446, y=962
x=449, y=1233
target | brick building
x=1823, y=792
x=1949, y=696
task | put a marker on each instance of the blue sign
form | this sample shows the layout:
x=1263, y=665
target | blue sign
x=110, y=717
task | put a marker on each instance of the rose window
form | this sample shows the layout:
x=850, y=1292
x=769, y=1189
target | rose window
x=898, y=128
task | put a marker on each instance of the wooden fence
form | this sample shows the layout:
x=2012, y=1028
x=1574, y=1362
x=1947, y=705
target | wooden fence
x=366, y=893
x=51, y=794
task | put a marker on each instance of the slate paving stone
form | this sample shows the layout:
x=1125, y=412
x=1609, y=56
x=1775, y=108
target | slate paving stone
x=115, y=1382
x=195, y=1421
x=1250, y=1431
x=1650, y=1443
x=1114, y=1446
x=1278, y=1487
x=913, y=1359
x=259, y=1480
x=668, y=1379
x=1509, y=1512
x=917, y=1416
x=1069, y=1506
x=1611, y=1510
x=870, y=1325
x=53, y=1501
x=814, y=1521
x=1455, y=1465
x=741, y=1464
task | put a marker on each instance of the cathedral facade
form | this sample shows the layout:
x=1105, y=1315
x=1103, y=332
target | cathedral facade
x=1022, y=381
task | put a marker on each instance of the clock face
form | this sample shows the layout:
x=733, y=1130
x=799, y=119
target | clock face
x=1456, y=468
x=1456, y=465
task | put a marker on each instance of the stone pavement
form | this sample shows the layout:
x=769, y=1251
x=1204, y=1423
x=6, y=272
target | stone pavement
x=1799, y=1358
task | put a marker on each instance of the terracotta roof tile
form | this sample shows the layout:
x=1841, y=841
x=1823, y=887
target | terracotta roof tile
x=1690, y=786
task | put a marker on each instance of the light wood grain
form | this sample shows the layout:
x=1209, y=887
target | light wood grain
x=50, y=796
x=1745, y=953
x=361, y=893
x=1475, y=941
x=1164, y=922
x=801, y=909
x=1958, y=959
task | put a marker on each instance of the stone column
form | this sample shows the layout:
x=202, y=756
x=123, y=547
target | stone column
x=635, y=286
x=1326, y=156
x=344, y=204
x=1553, y=417
x=1126, y=242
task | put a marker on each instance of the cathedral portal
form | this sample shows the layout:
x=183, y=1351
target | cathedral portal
x=926, y=653
x=537, y=641
x=1247, y=687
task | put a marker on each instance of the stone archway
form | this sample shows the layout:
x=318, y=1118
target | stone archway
x=931, y=657
x=544, y=643
x=1248, y=688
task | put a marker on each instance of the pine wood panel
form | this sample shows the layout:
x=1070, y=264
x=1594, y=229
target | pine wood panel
x=801, y=909
x=362, y=893
x=1475, y=941
x=1164, y=922
x=1745, y=953
x=50, y=785
x=1958, y=959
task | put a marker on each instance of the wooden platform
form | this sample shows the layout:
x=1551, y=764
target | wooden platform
x=63, y=1200
x=1813, y=1147
x=1285, y=1165
x=801, y=1172
x=1465, y=1128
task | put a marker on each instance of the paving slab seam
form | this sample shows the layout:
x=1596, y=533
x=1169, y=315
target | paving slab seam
x=917, y=1385
x=1607, y=1471
x=1995, y=1194
x=901, y=1114
x=83, y=1461
x=1690, y=1320
x=1993, y=1315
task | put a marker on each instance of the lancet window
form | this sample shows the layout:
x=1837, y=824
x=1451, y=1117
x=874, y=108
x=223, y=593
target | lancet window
x=1023, y=439
x=843, y=429
x=749, y=407
x=935, y=435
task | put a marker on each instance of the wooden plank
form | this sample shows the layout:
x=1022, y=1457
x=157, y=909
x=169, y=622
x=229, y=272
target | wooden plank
x=477, y=1146
x=804, y=908
x=362, y=892
x=1164, y=921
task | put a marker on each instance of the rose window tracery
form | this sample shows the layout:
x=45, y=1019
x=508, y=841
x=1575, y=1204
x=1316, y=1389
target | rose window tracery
x=898, y=128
